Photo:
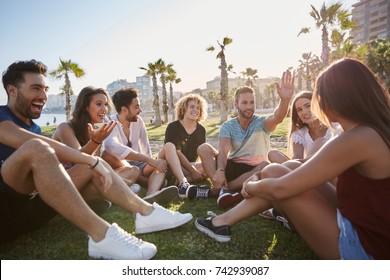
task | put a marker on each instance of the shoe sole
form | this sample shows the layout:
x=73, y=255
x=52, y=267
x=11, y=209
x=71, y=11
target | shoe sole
x=163, y=227
x=163, y=196
x=195, y=196
x=217, y=237
x=95, y=254
x=226, y=201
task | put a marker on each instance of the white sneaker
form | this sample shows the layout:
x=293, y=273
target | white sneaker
x=160, y=219
x=120, y=245
x=135, y=188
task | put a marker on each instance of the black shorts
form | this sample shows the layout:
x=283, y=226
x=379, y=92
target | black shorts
x=20, y=213
x=234, y=170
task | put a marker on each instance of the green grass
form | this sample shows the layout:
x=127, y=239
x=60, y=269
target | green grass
x=255, y=238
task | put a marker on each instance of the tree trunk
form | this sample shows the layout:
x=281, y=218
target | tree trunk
x=171, y=101
x=165, y=100
x=325, y=46
x=224, y=90
x=68, y=106
x=156, y=101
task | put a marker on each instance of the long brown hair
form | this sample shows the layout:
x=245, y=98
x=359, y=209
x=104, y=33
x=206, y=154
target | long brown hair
x=296, y=122
x=80, y=115
x=350, y=89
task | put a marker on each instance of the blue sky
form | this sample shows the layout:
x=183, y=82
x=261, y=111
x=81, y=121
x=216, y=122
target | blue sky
x=110, y=40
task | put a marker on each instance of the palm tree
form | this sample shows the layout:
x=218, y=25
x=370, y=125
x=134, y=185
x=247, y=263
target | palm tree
x=152, y=71
x=251, y=75
x=172, y=78
x=270, y=100
x=326, y=18
x=64, y=69
x=162, y=71
x=224, y=76
x=310, y=65
x=378, y=59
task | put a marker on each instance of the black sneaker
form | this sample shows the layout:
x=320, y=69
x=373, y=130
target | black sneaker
x=183, y=189
x=99, y=206
x=162, y=197
x=202, y=191
x=220, y=234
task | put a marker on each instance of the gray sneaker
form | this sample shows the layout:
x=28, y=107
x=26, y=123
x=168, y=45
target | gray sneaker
x=163, y=196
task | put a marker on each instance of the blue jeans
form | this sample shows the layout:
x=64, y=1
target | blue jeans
x=350, y=247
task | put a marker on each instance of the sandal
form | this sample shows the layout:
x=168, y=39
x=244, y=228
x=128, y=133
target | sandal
x=267, y=214
x=273, y=214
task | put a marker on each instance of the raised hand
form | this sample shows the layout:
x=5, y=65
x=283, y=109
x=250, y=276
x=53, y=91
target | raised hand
x=286, y=88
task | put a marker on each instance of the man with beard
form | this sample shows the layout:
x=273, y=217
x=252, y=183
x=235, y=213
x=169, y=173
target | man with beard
x=128, y=143
x=243, y=143
x=34, y=186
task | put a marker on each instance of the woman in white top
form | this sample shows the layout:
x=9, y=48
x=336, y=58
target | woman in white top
x=307, y=134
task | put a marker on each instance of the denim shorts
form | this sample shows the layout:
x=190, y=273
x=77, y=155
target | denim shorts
x=350, y=247
x=141, y=165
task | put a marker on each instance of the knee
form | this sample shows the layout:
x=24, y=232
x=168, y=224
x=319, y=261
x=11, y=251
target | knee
x=169, y=147
x=136, y=171
x=276, y=156
x=274, y=170
x=37, y=148
x=38, y=151
x=205, y=150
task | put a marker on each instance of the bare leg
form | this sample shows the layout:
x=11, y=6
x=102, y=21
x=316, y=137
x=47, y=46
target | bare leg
x=118, y=193
x=128, y=173
x=34, y=166
x=208, y=155
x=155, y=180
x=312, y=214
x=277, y=156
x=245, y=209
x=168, y=153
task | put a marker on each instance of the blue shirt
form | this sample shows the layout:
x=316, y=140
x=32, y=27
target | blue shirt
x=249, y=146
x=7, y=115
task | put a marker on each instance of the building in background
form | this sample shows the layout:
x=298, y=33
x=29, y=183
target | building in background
x=142, y=84
x=372, y=20
x=56, y=103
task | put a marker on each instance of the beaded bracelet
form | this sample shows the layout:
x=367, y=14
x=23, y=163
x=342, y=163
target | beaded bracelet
x=93, y=166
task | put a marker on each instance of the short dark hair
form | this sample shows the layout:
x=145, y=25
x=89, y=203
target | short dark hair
x=243, y=90
x=124, y=97
x=14, y=75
